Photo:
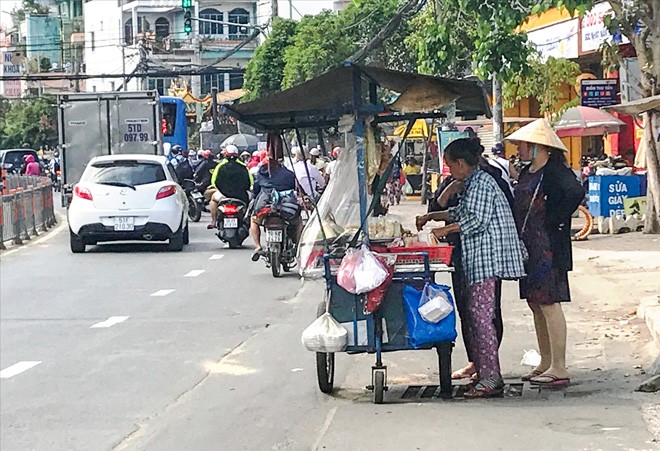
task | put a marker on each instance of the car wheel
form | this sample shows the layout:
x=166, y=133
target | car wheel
x=186, y=235
x=176, y=241
x=77, y=244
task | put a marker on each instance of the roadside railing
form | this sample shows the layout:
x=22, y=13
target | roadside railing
x=27, y=208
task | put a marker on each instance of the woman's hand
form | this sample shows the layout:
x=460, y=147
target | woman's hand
x=420, y=221
x=441, y=232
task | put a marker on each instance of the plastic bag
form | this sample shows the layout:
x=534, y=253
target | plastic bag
x=346, y=270
x=433, y=305
x=325, y=334
x=407, y=188
x=369, y=273
x=420, y=332
x=375, y=297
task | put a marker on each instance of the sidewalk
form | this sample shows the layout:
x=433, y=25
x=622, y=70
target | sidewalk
x=620, y=270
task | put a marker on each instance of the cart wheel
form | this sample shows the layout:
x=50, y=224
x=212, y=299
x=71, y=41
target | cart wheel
x=325, y=362
x=379, y=386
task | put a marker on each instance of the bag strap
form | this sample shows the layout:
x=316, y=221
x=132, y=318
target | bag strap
x=531, y=204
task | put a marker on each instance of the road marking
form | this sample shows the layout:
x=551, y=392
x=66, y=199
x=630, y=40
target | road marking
x=161, y=293
x=111, y=321
x=324, y=429
x=216, y=256
x=194, y=273
x=18, y=368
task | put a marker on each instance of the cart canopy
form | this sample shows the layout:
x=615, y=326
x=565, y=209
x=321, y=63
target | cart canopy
x=351, y=88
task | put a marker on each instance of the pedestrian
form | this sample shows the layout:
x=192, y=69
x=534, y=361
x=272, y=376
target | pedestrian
x=546, y=195
x=498, y=160
x=308, y=176
x=330, y=167
x=445, y=197
x=314, y=158
x=491, y=251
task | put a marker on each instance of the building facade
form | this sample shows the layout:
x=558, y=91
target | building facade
x=147, y=36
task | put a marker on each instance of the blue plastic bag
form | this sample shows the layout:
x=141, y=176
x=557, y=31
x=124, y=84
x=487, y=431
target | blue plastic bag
x=422, y=333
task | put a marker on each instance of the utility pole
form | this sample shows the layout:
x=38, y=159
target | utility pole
x=123, y=66
x=290, y=9
x=274, y=8
x=214, y=109
x=143, y=62
x=498, y=116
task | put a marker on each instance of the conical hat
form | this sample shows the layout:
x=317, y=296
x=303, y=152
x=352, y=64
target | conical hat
x=538, y=132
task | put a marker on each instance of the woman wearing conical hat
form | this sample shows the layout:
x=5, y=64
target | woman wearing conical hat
x=546, y=196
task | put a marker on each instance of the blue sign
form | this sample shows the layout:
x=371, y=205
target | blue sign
x=599, y=93
x=607, y=193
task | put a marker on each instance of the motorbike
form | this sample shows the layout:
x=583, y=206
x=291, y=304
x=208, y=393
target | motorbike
x=280, y=249
x=230, y=222
x=195, y=200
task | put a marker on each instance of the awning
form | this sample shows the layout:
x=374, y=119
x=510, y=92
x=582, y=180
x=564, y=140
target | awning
x=636, y=106
x=419, y=130
x=321, y=101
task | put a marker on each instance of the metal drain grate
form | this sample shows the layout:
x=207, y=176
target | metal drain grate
x=433, y=391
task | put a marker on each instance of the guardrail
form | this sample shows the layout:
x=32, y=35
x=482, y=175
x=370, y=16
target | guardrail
x=27, y=208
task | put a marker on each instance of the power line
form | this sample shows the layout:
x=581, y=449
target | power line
x=157, y=74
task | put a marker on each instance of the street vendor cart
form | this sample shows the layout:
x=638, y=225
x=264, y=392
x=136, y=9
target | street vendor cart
x=347, y=98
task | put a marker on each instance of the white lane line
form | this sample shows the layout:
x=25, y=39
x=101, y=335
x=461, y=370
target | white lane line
x=194, y=273
x=216, y=256
x=18, y=368
x=111, y=321
x=161, y=293
x=324, y=429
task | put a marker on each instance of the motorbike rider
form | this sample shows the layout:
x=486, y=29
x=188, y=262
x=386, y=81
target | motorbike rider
x=272, y=176
x=174, y=157
x=54, y=166
x=232, y=180
x=203, y=170
x=183, y=169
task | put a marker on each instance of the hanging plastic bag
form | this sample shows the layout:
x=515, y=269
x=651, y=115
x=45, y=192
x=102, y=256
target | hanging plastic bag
x=433, y=305
x=422, y=333
x=325, y=334
x=375, y=297
x=345, y=272
x=369, y=273
x=407, y=188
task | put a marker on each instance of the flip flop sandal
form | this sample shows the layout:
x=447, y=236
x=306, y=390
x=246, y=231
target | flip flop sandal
x=210, y=227
x=461, y=374
x=531, y=375
x=553, y=381
x=479, y=391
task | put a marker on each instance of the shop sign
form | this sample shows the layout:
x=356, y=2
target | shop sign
x=594, y=32
x=559, y=40
x=607, y=193
x=599, y=93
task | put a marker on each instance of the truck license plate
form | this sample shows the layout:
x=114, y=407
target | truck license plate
x=274, y=236
x=124, y=224
x=230, y=223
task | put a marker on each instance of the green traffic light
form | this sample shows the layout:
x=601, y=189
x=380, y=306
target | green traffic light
x=187, y=29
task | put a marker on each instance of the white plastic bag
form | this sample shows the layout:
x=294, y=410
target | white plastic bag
x=369, y=273
x=346, y=271
x=325, y=334
x=434, y=305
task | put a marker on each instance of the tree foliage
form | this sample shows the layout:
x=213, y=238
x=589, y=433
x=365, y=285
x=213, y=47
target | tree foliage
x=266, y=69
x=27, y=8
x=31, y=121
x=543, y=82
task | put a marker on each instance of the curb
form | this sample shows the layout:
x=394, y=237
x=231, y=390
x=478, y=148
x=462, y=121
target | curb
x=649, y=311
x=43, y=236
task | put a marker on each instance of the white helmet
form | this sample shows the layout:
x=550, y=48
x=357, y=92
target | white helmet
x=231, y=151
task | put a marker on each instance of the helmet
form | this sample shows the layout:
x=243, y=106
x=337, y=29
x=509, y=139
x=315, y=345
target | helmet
x=498, y=149
x=315, y=152
x=245, y=154
x=336, y=151
x=184, y=153
x=207, y=154
x=56, y=154
x=231, y=151
x=176, y=149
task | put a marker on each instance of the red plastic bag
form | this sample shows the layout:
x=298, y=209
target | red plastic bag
x=375, y=298
x=345, y=273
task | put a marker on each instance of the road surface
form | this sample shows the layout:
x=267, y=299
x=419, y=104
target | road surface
x=133, y=347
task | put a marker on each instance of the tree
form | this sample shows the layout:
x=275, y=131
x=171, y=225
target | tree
x=30, y=121
x=639, y=21
x=320, y=43
x=265, y=71
x=27, y=8
x=542, y=81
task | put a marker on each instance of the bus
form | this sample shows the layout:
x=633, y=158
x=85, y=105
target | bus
x=173, y=121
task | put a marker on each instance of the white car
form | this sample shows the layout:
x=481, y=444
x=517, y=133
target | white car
x=128, y=197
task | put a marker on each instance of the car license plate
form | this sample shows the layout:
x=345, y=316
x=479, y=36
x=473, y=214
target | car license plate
x=230, y=223
x=274, y=236
x=124, y=224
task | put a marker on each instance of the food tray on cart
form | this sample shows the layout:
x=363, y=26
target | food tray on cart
x=414, y=254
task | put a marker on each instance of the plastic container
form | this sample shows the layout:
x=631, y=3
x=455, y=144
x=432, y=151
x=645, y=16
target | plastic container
x=437, y=254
